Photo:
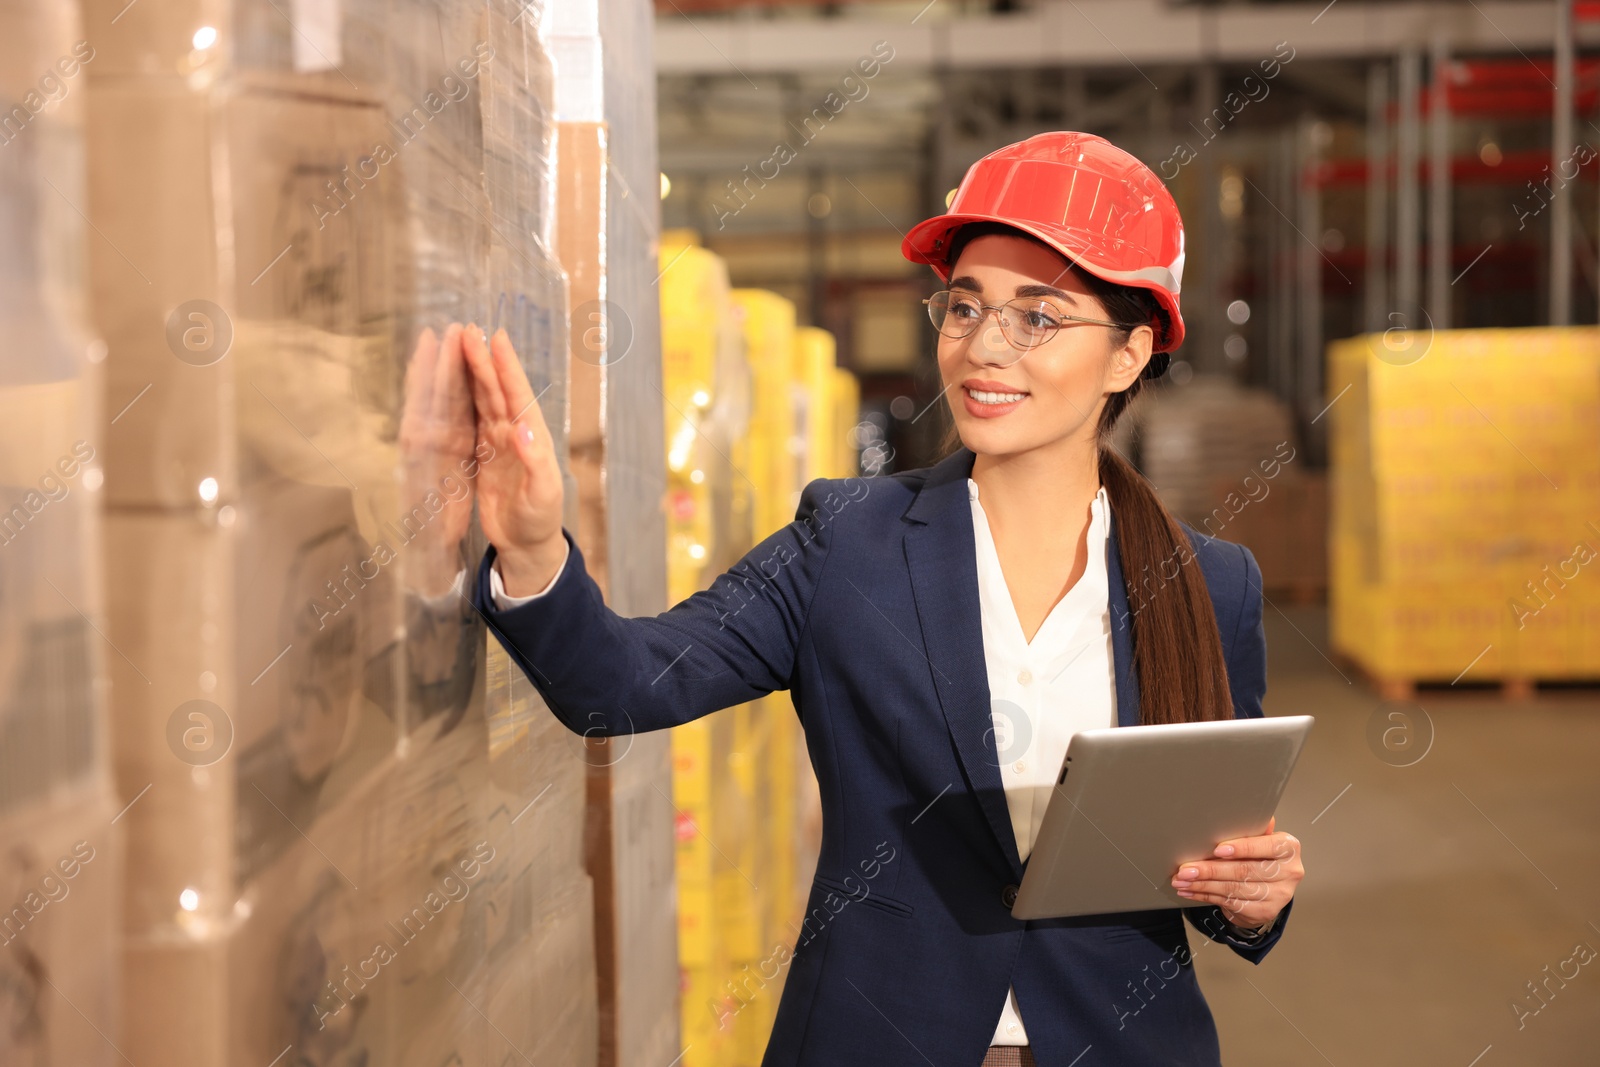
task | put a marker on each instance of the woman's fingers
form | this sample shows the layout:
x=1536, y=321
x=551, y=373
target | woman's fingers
x=1231, y=871
x=419, y=374
x=451, y=377
x=1261, y=860
x=513, y=380
x=1222, y=890
x=1255, y=882
x=486, y=391
x=522, y=436
x=1266, y=847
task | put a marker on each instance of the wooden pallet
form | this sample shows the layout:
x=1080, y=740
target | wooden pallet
x=1298, y=594
x=1512, y=689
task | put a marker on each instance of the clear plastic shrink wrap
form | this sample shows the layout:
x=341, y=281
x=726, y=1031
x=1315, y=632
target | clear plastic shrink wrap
x=59, y=844
x=367, y=848
x=606, y=240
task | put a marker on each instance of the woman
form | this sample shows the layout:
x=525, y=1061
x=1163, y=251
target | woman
x=1029, y=576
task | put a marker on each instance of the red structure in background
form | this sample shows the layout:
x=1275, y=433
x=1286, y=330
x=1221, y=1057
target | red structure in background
x=1495, y=89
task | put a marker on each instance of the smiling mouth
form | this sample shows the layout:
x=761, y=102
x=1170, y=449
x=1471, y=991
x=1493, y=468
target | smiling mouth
x=985, y=397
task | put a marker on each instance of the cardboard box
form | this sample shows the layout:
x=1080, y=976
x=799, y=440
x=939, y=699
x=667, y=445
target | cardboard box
x=402, y=925
x=60, y=869
x=618, y=460
x=51, y=719
x=384, y=864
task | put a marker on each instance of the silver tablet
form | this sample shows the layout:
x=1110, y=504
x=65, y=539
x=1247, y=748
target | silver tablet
x=1132, y=803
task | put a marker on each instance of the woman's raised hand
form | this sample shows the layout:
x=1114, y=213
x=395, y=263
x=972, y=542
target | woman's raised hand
x=520, y=495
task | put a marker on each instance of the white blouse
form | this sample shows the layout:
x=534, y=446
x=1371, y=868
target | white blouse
x=1041, y=692
x=1044, y=691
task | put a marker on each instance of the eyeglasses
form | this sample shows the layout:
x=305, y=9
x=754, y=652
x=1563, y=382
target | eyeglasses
x=1025, y=322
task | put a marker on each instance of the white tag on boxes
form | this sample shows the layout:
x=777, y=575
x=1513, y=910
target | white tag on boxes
x=317, y=41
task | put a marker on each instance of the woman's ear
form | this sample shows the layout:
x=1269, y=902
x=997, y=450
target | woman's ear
x=1129, y=361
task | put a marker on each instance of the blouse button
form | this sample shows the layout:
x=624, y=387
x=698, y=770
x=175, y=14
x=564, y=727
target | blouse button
x=1011, y=1028
x=1019, y=766
x=1025, y=677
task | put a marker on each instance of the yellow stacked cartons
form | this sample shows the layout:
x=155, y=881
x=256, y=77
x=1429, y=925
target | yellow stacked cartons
x=778, y=454
x=815, y=403
x=705, y=408
x=818, y=431
x=746, y=387
x=847, y=413
x=1465, y=470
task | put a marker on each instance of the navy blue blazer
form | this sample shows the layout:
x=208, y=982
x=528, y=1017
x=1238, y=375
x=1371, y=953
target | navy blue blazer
x=865, y=608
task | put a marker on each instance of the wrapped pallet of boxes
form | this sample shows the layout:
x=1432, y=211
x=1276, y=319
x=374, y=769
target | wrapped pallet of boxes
x=355, y=836
x=1462, y=489
x=1224, y=459
x=59, y=832
x=1210, y=430
x=606, y=240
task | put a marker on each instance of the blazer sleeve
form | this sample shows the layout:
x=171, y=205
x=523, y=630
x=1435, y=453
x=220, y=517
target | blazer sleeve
x=603, y=674
x=1247, y=681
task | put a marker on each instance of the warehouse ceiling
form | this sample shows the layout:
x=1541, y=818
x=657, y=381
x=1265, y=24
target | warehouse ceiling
x=801, y=140
x=954, y=78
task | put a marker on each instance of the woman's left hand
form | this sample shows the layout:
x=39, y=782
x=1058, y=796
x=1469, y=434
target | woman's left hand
x=1252, y=879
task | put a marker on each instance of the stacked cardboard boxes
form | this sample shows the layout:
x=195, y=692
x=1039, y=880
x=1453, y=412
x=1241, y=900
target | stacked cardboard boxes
x=1465, y=471
x=1225, y=459
x=59, y=837
x=1281, y=514
x=606, y=238
x=357, y=835
x=1211, y=429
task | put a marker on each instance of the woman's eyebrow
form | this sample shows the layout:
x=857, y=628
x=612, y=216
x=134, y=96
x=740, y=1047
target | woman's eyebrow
x=1046, y=290
x=967, y=281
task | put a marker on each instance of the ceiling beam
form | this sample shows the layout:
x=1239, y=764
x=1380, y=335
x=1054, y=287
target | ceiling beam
x=1100, y=33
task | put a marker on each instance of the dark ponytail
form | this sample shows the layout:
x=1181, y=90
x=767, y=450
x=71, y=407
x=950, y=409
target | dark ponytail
x=1177, y=649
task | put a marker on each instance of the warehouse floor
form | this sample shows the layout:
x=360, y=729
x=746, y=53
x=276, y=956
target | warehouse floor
x=1435, y=892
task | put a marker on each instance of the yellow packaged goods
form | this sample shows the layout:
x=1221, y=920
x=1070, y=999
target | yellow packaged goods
x=707, y=410
x=694, y=303
x=847, y=411
x=1464, y=470
x=776, y=408
x=777, y=456
x=814, y=368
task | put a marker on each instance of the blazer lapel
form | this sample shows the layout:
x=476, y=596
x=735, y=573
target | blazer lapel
x=1121, y=633
x=941, y=555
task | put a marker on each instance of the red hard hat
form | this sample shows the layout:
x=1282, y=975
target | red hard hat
x=1086, y=198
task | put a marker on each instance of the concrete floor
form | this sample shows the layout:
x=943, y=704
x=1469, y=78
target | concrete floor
x=1434, y=892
